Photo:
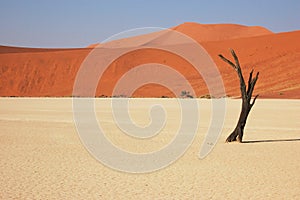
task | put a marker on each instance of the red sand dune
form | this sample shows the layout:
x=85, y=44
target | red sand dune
x=39, y=72
x=218, y=32
x=51, y=72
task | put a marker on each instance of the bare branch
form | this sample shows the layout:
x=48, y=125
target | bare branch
x=251, y=86
x=239, y=72
x=249, y=81
x=253, y=102
x=237, y=63
x=228, y=61
x=242, y=83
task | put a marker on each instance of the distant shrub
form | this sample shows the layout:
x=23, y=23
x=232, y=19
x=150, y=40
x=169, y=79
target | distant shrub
x=185, y=94
x=119, y=96
x=206, y=96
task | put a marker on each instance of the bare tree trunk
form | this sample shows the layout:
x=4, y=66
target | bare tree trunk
x=237, y=134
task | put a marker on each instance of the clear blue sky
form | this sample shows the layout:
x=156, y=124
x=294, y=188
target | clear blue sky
x=78, y=23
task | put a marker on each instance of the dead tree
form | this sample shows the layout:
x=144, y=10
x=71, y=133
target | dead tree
x=237, y=134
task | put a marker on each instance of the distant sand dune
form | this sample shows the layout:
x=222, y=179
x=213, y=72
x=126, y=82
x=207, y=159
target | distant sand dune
x=51, y=72
x=219, y=32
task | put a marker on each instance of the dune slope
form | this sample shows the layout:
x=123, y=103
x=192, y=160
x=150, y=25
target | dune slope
x=51, y=72
x=218, y=32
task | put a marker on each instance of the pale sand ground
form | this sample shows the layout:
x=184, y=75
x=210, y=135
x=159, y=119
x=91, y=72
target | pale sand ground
x=41, y=156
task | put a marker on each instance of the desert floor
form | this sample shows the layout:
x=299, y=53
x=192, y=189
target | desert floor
x=42, y=157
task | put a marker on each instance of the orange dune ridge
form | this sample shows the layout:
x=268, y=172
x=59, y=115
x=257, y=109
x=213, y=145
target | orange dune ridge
x=51, y=72
x=219, y=32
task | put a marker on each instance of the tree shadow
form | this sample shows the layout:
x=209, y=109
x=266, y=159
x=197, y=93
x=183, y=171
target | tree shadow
x=279, y=140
